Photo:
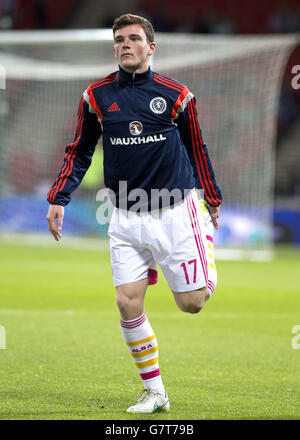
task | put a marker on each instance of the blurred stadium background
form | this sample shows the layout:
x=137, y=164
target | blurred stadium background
x=34, y=135
x=65, y=355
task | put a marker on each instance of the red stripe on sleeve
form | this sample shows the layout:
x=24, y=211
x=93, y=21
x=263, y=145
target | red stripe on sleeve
x=179, y=101
x=192, y=129
x=69, y=158
x=203, y=159
x=94, y=104
x=197, y=155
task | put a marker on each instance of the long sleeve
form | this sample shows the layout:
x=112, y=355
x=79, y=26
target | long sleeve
x=191, y=136
x=78, y=156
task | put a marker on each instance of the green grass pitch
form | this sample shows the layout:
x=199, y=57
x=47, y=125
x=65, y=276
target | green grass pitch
x=65, y=357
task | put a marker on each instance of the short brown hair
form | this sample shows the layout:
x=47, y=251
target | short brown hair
x=128, y=19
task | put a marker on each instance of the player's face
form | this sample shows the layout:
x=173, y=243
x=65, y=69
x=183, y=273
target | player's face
x=132, y=49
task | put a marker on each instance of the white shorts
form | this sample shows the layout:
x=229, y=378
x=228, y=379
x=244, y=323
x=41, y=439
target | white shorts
x=175, y=239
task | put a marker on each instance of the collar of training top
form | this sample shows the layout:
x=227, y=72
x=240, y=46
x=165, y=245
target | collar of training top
x=127, y=78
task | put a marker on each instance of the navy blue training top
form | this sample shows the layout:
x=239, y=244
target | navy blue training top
x=151, y=140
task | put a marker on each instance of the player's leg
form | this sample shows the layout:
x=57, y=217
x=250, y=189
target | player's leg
x=130, y=299
x=194, y=301
x=143, y=346
x=131, y=274
x=183, y=254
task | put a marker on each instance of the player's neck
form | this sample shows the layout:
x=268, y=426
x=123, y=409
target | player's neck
x=133, y=70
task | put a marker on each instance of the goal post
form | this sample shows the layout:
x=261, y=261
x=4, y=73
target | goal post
x=235, y=79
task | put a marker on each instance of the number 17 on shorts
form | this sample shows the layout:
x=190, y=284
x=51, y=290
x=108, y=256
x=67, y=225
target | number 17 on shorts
x=190, y=275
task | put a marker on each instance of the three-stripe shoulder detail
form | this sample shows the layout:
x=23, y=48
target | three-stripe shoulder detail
x=107, y=80
x=88, y=94
x=184, y=94
x=168, y=82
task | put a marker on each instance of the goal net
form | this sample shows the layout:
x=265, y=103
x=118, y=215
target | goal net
x=236, y=80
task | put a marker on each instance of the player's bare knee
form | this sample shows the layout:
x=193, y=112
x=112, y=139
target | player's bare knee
x=126, y=303
x=123, y=303
x=193, y=302
x=130, y=300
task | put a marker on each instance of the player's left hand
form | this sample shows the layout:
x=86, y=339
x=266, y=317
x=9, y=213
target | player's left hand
x=55, y=220
x=214, y=213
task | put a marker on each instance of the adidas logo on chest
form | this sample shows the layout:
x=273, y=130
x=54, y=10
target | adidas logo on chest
x=114, y=108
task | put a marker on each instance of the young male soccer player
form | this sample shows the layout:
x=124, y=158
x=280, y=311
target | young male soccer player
x=151, y=141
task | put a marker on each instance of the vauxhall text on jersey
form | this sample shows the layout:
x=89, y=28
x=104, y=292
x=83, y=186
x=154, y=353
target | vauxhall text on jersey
x=139, y=140
x=151, y=138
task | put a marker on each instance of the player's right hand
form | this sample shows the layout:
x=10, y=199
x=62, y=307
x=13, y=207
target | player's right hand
x=55, y=218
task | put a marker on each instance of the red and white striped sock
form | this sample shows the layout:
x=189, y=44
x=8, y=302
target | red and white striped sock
x=143, y=347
